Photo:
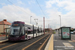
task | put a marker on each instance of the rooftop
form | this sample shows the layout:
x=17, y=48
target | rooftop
x=5, y=22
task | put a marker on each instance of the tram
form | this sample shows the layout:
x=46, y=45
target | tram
x=21, y=31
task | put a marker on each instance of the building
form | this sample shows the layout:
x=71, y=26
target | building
x=3, y=25
x=47, y=29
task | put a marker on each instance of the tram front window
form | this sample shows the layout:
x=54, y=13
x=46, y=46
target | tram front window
x=15, y=30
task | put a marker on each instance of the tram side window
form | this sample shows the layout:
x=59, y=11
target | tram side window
x=22, y=31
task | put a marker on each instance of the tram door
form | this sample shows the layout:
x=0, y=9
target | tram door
x=26, y=35
x=26, y=32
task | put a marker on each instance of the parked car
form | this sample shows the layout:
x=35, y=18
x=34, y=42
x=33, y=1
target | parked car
x=71, y=32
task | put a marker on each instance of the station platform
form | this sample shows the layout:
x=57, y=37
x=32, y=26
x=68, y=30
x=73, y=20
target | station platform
x=56, y=43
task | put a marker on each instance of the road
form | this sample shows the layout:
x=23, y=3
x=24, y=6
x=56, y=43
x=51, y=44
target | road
x=37, y=43
x=64, y=44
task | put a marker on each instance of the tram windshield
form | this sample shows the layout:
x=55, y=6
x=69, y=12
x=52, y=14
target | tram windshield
x=15, y=30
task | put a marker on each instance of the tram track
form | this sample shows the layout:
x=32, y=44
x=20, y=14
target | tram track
x=26, y=45
x=3, y=44
x=43, y=43
x=32, y=43
x=20, y=45
x=35, y=46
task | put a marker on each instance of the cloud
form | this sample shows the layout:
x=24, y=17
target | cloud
x=31, y=2
x=48, y=5
x=14, y=13
x=50, y=2
x=19, y=2
x=67, y=19
x=66, y=4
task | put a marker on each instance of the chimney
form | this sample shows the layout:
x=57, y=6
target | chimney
x=4, y=20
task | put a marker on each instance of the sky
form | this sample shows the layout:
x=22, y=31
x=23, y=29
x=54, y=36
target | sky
x=52, y=10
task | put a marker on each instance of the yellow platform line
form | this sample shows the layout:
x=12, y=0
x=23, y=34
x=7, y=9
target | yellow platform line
x=33, y=43
x=43, y=43
x=49, y=45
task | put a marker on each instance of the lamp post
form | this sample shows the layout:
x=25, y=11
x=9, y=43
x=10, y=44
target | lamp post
x=60, y=20
x=36, y=21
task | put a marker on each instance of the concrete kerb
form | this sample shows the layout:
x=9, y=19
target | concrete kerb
x=49, y=46
x=3, y=41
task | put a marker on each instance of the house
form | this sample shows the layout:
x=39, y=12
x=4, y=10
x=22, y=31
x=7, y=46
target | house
x=3, y=25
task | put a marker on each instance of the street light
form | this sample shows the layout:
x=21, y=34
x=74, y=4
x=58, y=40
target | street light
x=60, y=20
x=36, y=21
x=30, y=19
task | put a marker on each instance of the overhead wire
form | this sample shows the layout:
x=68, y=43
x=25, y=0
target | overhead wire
x=18, y=7
x=40, y=8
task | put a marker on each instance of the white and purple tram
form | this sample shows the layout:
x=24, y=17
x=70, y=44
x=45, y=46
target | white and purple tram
x=22, y=31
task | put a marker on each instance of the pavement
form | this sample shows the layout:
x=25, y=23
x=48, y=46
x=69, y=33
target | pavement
x=64, y=44
x=3, y=39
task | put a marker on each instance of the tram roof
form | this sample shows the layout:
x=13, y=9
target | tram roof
x=30, y=24
x=24, y=23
